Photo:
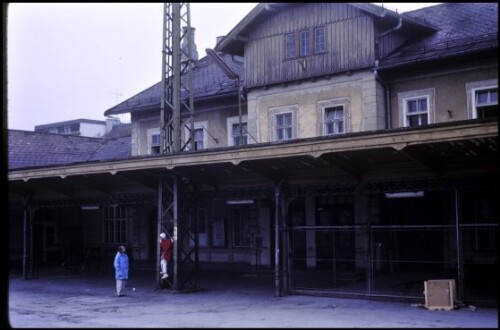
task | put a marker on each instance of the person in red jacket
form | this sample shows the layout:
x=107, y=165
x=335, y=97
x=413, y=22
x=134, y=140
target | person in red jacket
x=166, y=254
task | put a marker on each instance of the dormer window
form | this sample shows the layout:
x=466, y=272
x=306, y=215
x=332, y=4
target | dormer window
x=305, y=43
x=319, y=40
x=290, y=49
x=305, y=46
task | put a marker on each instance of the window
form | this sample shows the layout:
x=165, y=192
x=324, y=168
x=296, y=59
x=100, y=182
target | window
x=201, y=227
x=153, y=141
x=416, y=112
x=283, y=123
x=319, y=40
x=219, y=232
x=243, y=226
x=416, y=108
x=283, y=127
x=115, y=225
x=333, y=116
x=233, y=131
x=237, y=139
x=155, y=144
x=334, y=120
x=486, y=103
x=482, y=99
x=200, y=133
x=290, y=50
x=305, y=43
x=198, y=139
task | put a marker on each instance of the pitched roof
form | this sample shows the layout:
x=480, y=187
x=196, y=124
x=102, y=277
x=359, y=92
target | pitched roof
x=234, y=41
x=28, y=149
x=462, y=28
x=208, y=79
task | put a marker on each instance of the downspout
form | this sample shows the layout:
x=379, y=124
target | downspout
x=388, y=111
x=387, y=90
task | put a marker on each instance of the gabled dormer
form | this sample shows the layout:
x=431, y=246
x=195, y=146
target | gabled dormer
x=284, y=42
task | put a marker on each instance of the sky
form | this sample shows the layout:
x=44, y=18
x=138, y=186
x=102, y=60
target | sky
x=69, y=61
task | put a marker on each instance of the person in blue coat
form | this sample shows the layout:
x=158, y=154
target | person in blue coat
x=121, y=270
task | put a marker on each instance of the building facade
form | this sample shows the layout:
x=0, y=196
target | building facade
x=359, y=158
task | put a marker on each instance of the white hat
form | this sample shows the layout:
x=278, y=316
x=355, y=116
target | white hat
x=163, y=235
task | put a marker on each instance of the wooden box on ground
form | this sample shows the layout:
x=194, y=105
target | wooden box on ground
x=440, y=294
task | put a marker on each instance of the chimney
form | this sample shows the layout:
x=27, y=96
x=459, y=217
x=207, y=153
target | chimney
x=184, y=47
x=219, y=38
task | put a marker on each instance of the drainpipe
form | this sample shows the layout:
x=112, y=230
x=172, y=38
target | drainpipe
x=380, y=80
x=387, y=90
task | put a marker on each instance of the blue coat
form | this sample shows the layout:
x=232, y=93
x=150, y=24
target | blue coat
x=121, y=266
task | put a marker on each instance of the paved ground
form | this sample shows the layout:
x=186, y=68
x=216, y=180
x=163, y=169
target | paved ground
x=88, y=301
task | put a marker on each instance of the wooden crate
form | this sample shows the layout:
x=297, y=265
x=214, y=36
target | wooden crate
x=440, y=294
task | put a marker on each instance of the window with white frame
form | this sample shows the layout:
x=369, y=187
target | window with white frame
x=283, y=123
x=199, y=135
x=305, y=43
x=290, y=47
x=334, y=120
x=416, y=108
x=154, y=141
x=416, y=111
x=333, y=116
x=482, y=99
x=155, y=144
x=233, y=131
x=486, y=103
x=319, y=40
x=115, y=225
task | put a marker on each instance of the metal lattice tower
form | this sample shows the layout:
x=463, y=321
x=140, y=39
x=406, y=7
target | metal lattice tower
x=176, y=113
x=177, y=79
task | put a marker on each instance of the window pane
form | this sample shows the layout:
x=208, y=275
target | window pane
x=494, y=96
x=341, y=127
x=413, y=121
x=155, y=139
x=422, y=105
x=423, y=119
x=287, y=120
x=412, y=106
